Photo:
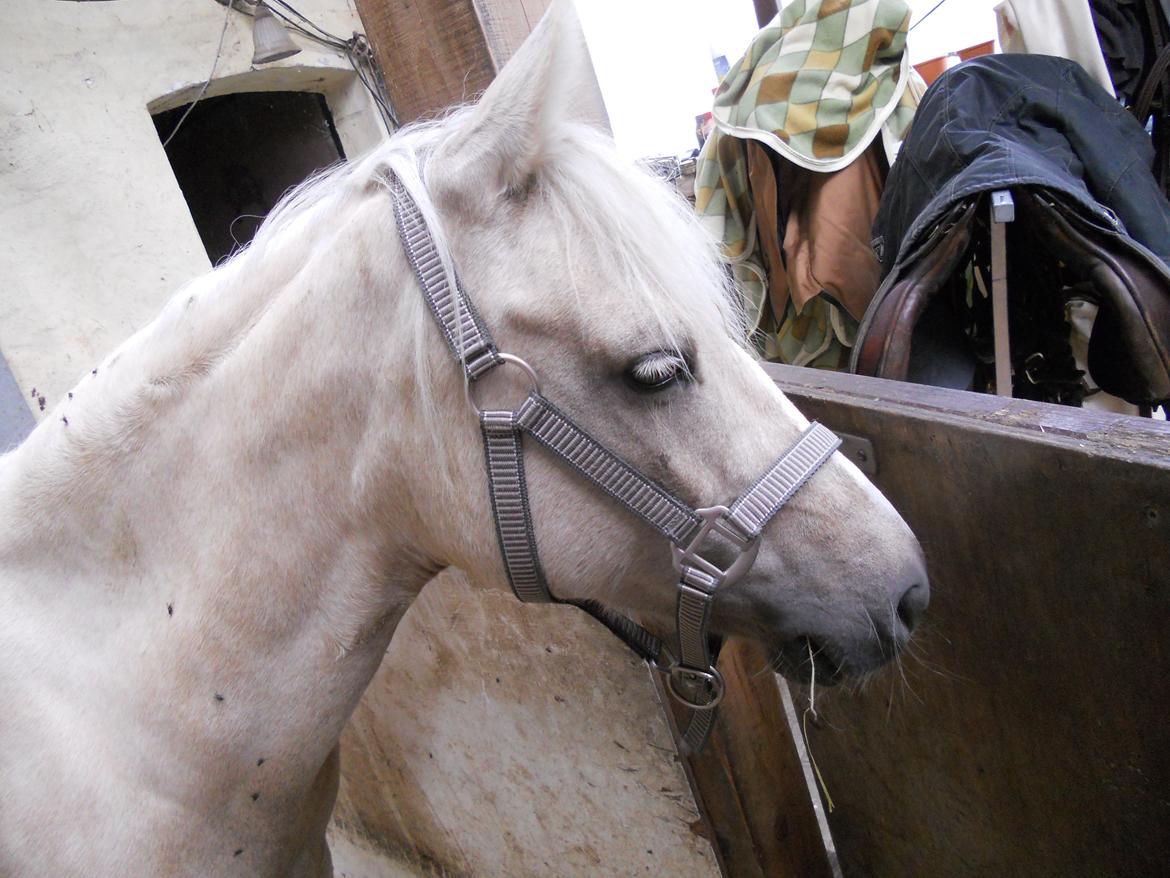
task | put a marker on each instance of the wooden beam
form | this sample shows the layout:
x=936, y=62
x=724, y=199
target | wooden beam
x=506, y=23
x=433, y=53
x=765, y=11
x=749, y=782
x=436, y=54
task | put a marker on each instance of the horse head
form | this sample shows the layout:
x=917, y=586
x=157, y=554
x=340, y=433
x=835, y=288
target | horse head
x=598, y=276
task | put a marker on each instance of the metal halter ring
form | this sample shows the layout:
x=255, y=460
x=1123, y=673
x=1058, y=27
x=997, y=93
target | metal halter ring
x=691, y=678
x=504, y=359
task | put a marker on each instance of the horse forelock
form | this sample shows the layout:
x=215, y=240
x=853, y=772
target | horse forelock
x=639, y=225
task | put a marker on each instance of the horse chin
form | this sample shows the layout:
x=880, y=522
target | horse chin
x=803, y=660
x=794, y=651
x=806, y=660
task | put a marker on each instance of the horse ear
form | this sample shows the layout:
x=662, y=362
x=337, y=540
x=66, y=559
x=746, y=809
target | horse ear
x=506, y=139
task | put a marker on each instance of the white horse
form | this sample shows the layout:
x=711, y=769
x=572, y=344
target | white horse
x=205, y=549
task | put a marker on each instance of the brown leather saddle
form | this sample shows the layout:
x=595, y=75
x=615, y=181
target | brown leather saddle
x=928, y=322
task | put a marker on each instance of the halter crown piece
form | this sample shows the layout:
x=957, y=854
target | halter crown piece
x=691, y=676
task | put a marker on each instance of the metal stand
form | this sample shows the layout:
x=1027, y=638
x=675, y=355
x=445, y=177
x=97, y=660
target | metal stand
x=1003, y=211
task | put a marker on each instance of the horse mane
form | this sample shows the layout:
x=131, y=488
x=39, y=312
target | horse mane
x=644, y=227
x=587, y=186
x=601, y=203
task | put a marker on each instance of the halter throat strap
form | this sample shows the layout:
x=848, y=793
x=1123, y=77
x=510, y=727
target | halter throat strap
x=691, y=676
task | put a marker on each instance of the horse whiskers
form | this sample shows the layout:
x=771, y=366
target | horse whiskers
x=907, y=687
x=927, y=631
x=873, y=628
x=918, y=646
x=861, y=683
x=898, y=656
x=915, y=651
x=776, y=662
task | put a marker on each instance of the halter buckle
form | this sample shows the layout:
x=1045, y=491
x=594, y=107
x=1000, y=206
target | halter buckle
x=715, y=520
x=698, y=690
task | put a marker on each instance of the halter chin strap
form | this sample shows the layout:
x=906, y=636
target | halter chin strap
x=691, y=676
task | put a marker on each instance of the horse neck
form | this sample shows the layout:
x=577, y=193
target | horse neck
x=226, y=525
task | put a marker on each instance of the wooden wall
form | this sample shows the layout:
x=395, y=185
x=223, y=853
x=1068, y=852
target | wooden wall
x=1028, y=732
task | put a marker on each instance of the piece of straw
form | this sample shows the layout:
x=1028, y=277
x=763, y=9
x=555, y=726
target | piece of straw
x=812, y=708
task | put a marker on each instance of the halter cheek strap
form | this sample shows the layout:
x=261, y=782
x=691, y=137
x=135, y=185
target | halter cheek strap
x=691, y=676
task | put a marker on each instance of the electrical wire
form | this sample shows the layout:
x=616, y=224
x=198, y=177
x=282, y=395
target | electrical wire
x=932, y=8
x=306, y=20
x=332, y=42
x=359, y=59
x=356, y=50
x=206, y=82
x=375, y=91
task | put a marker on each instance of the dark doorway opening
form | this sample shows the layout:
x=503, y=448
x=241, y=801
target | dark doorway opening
x=235, y=155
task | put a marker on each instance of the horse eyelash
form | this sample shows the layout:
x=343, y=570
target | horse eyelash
x=658, y=367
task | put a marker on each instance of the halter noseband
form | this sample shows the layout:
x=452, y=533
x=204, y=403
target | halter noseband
x=691, y=676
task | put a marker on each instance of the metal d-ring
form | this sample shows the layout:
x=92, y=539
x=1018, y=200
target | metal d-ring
x=711, y=678
x=506, y=359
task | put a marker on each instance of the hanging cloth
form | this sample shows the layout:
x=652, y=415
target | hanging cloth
x=816, y=86
x=1122, y=32
x=814, y=232
x=1063, y=28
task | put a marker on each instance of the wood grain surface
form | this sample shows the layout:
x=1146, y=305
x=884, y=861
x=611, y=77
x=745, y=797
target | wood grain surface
x=1030, y=734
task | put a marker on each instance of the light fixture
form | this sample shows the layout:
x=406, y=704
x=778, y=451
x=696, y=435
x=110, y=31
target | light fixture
x=270, y=40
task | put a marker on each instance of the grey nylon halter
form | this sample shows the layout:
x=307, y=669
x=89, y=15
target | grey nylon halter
x=691, y=676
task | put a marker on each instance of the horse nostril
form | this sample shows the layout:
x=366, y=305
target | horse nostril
x=912, y=604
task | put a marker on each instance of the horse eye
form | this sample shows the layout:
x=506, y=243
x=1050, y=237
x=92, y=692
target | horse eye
x=654, y=372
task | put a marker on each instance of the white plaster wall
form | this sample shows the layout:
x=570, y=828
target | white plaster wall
x=94, y=232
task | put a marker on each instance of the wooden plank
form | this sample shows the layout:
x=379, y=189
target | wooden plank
x=765, y=10
x=1108, y=434
x=1028, y=735
x=506, y=23
x=749, y=782
x=433, y=53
